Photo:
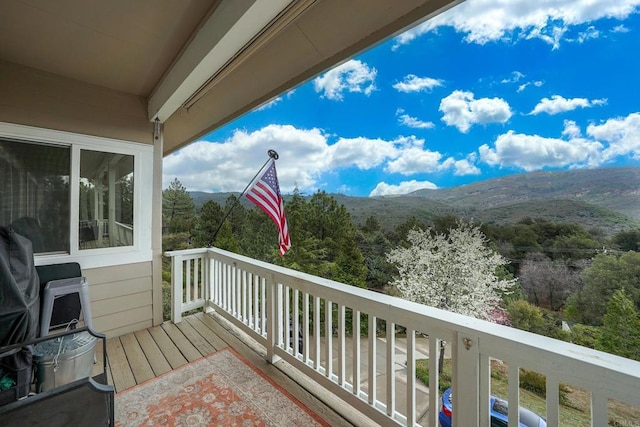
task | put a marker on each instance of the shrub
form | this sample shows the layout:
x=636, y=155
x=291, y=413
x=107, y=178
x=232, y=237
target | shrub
x=537, y=384
x=422, y=373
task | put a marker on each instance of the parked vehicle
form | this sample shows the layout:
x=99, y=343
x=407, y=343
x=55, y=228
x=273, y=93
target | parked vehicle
x=499, y=415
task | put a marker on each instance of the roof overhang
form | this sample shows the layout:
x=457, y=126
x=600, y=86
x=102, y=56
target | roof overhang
x=193, y=64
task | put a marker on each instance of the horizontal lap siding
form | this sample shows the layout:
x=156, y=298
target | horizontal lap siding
x=121, y=298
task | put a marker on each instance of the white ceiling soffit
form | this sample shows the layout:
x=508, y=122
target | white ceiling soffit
x=233, y=26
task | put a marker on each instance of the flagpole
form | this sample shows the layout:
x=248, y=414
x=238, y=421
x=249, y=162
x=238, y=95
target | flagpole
x=272, y=155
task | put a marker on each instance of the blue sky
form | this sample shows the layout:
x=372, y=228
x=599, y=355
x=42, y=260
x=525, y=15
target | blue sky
x=486, y=89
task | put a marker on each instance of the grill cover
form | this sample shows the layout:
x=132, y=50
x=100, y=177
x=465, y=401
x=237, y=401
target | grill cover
x=19, y=289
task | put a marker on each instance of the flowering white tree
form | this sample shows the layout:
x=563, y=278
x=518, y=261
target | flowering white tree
x=455, y=272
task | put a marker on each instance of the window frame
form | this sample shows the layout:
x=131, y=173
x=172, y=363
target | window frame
x=141, y=250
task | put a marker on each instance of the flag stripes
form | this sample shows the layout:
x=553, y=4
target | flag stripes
x=265, y=193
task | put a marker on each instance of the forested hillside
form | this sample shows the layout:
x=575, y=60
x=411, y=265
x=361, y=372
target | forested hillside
x=576, y=271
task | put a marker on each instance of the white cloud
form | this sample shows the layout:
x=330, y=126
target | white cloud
x=415, y=160
x=412, y=122
x=352, y=76
x=230, y=165
x=484, y=21
x=406, y=187
x=536, y=83
x=362, y=152
x=515, y=77
x=463, y=111
x=413, y=83
x=622, y=136
x=558, y=104
x=591, y=33
x=620, y=29
x=603, y=143
x=571, y=129
x=466, y=166
x=534, y=152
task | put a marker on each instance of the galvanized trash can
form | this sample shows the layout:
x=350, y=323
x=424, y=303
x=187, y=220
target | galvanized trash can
x=62, y=360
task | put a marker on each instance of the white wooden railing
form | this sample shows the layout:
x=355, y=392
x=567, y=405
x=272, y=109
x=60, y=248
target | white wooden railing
x=263, y=300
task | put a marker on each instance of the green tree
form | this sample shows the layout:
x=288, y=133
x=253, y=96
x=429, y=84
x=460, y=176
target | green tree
x=177, y=208
x=627, y=240
x=526, y=316
x=607, y=274
x=207, y=223
x=620, y=333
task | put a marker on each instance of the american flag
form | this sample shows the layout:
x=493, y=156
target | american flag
x=265, y=193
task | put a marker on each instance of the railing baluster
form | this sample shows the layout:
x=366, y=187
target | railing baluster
x=434, y=377
x=485, y=388
x=371, y=374
x=263, y=305
x=514, y=393
x=305, y=327
x=391, y=372
x=553, y=400
x=341, y=345
x=316, y=332
x=411, y=377
x=599, y=411
x=187, y=280
x=196, y=280
x=245, y=317
x=286, y=318
x=217, y=280
x=328, y=326
x=355, y=380
x=295, y=333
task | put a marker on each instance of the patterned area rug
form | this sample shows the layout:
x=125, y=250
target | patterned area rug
x=223, y=389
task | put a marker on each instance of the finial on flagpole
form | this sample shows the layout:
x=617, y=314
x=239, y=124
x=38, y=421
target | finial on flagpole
x=273, y=154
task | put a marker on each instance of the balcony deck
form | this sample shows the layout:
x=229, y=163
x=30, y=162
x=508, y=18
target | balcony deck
x=146, y=354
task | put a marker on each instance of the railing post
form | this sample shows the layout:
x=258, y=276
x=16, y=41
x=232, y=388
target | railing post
x=274, y=306
x=466, y=375
x=176, y=289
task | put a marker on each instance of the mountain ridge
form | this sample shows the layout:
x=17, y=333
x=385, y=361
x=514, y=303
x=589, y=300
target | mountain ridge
x=607, y=198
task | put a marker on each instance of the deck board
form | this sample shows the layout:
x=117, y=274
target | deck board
x=188, y=350
x=157, y=360
x=137, y=360
x=213, y=339
x=169, y=349
x=196, y=339
x=121, y=373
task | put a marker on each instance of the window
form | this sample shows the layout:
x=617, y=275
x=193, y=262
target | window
x=77, y=197
x=106, y=200
x=34, y=181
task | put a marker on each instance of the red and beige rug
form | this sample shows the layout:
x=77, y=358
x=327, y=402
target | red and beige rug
x=223, y=389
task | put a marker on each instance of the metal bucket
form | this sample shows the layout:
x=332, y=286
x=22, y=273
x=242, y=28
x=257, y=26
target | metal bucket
x=62, y=360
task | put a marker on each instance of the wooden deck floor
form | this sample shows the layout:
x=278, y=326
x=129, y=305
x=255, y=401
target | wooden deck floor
x=146, y=354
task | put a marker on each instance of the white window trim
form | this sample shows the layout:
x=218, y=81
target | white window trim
x=141, y=250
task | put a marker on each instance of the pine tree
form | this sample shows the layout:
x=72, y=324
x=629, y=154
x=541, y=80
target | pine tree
x=177, y=207
x=620, y=332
